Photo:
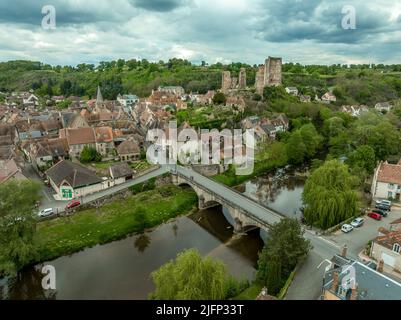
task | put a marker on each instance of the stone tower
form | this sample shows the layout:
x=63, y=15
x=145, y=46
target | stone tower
x=260, y=79
x=226, y=81
x=234, y=82
x=242, y=79
x=273, y=75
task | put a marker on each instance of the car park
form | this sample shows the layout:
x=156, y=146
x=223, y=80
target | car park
x=383, y=207
x=358, y=222
x=381, y=212
x=374, y=215
x=73, y=204
x=46, y=213
x=347, y=228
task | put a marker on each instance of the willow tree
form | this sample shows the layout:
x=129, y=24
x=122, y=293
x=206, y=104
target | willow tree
x=191, y=277
x=329, y=195
x=17, y=224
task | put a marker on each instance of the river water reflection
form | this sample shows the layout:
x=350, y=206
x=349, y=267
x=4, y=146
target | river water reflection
x=121, y=269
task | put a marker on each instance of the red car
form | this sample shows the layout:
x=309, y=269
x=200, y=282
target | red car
x=73, y=204
x=374, y=215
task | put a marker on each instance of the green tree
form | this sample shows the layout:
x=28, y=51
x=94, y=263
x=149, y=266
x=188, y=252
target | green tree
x=274, y=282
x=285, y=246
x=296, y=149
x=311, y=139
x=90, y=154
x=219, y=98
x=363, y=157
x=17, y=224
x=191, y=277
x=329, y=195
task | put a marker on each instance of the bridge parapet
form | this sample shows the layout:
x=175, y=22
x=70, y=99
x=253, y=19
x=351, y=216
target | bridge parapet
x=207, y=199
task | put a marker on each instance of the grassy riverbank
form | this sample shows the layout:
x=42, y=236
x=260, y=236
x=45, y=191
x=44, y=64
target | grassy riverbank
x=112, y=221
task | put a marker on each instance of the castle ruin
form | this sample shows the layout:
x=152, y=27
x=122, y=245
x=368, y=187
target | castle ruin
x=268, y=74
x=233, y=83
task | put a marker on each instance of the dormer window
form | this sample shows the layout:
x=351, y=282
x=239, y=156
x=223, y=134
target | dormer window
x=397, y=248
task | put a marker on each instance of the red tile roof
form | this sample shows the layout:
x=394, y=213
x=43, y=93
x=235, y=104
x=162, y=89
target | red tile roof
x=389, y=173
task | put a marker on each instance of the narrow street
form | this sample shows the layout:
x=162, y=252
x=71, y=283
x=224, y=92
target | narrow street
x=308, y=280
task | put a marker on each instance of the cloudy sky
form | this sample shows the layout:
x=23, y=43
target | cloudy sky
x=305, y=31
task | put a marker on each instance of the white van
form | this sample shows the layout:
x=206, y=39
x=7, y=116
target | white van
x=46, y=213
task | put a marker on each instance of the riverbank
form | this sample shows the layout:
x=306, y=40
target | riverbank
x=113, y=221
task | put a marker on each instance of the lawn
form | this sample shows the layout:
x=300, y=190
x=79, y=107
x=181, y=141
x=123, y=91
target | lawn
x=112, y=221
x=250, y=293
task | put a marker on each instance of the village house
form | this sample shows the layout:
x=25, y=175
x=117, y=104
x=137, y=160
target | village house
x=395, y=225
x=121, y=173
x=77, y=139
x=329, y=97
x=73, y=120
x=305, y=98
x=383, y=106
x=355, y=111
x=386, y=249
x=8, y=141
x=367, y=282
x=127, y=100
x=9, y=170
x=29, y=100
x=205, y=99
x=104, y=140
x=292, y=91
x=47, y=152
x=29, y=129
x=71, y=180
x=129, y=151
x=175, y=90
x=387, y=181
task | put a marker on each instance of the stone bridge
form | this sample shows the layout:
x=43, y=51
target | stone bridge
x=247, y=213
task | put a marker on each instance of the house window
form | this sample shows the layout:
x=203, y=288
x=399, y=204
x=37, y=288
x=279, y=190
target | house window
x=390, y=194
x=391, y=186
x=397, y=248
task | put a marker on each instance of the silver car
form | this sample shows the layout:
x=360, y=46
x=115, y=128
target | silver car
x=46, y=213
x=358, y=222
x=347, y=228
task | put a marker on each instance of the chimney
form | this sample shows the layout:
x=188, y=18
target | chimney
x=354, y=294
x=344, y=251
x=334, y=287
x=380, y=266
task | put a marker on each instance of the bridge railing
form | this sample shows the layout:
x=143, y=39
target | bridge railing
x=230, y=203
x=239, y=193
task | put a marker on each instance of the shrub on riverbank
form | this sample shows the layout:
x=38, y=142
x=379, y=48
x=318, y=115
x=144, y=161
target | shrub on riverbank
x=112, y=221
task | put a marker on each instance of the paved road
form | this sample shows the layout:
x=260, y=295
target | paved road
x=308, y=281
x=59, y=206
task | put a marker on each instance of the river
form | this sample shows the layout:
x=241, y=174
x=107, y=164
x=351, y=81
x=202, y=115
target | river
x=121, y=269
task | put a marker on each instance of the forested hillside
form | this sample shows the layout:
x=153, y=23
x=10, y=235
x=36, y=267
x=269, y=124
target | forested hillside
x=355, y=84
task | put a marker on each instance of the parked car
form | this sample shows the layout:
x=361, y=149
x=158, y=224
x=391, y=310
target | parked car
x=347, y=228
x=381, y=212
x=46, y=212
x=383, y=207
x=358, y=222
x=73, y=204
x=374, y=215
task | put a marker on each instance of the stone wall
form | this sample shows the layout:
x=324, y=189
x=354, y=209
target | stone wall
x=273, y=67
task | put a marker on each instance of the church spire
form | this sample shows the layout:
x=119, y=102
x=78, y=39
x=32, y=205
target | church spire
x=99, y=98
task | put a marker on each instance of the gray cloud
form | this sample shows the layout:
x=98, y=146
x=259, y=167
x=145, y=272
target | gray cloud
x=306, y=31
x=320, y=20
x=159, y=5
